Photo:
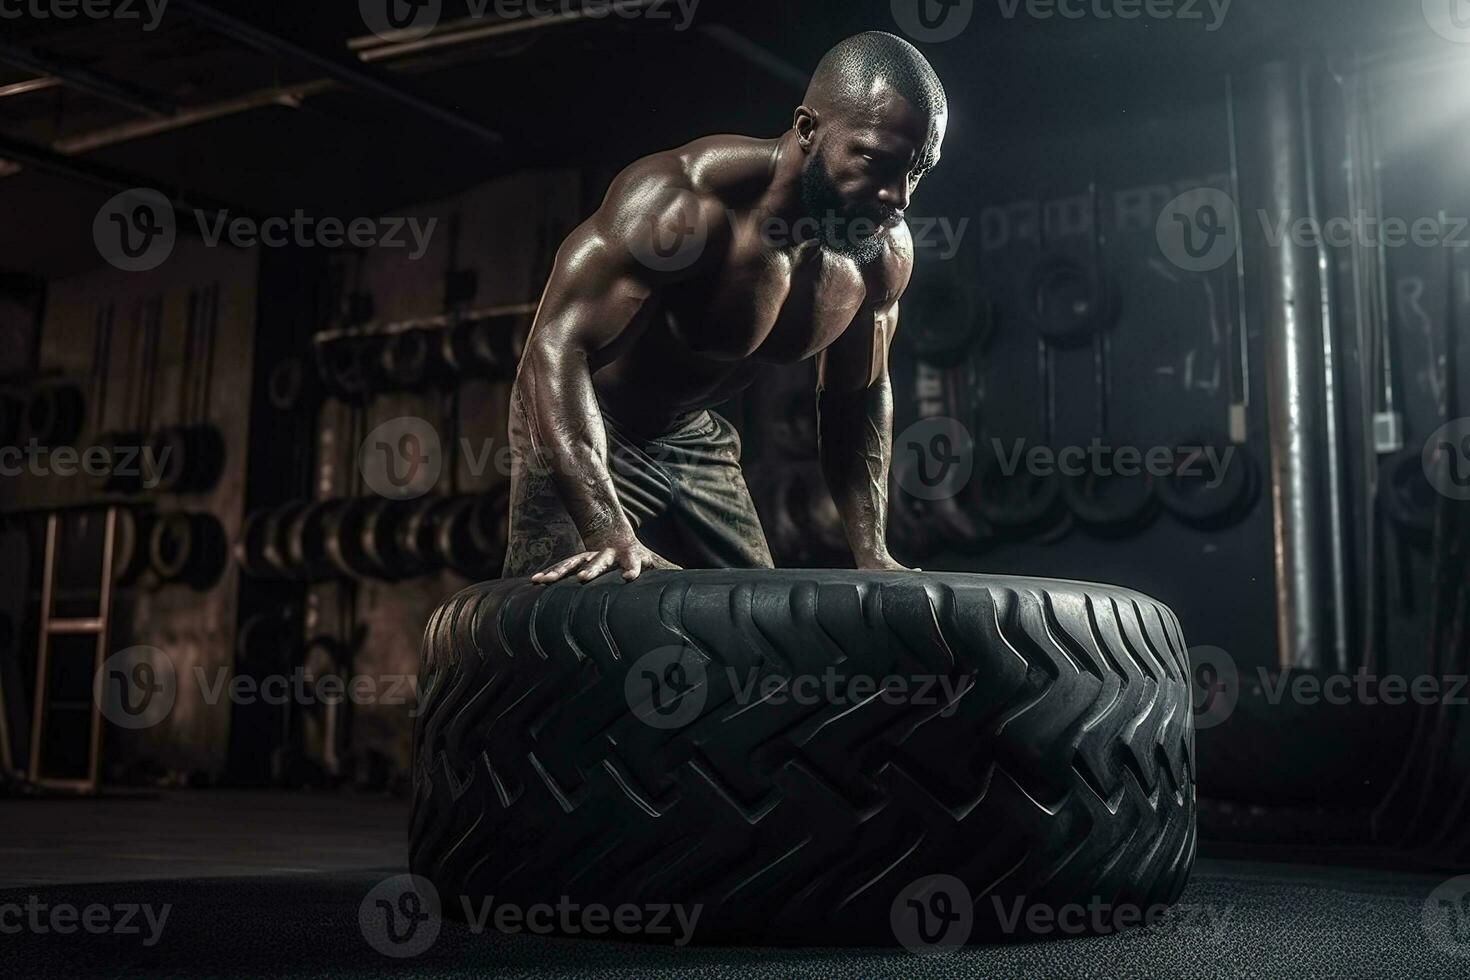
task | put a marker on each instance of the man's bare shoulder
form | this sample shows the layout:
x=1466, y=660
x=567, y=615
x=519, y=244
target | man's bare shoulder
x=715, y=170
x=670, y=209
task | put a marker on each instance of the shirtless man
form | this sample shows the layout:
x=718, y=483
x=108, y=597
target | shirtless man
x=703, y=264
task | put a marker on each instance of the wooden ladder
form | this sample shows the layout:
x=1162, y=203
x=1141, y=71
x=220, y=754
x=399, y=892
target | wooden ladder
x=50, y=626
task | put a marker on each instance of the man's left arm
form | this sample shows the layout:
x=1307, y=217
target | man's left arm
x=855, y=430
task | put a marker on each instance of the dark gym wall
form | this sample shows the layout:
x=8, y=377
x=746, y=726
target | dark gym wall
x=1136, y=130
x=1172, y=351
x=505, y=242
x=196, y=626
x=505, y=232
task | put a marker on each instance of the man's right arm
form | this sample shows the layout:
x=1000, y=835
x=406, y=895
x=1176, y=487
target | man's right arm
x=605, y=272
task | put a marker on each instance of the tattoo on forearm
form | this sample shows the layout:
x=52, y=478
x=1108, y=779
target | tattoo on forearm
x=566, y=424
x=855, y=438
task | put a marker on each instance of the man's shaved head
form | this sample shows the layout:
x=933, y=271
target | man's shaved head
x=848, y=74
x=871, y=127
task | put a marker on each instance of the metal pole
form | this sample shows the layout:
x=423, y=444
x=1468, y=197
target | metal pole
x=1336, y=526
x=1293, y=373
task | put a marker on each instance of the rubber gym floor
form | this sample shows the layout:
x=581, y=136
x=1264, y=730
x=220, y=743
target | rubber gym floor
x=282, y=899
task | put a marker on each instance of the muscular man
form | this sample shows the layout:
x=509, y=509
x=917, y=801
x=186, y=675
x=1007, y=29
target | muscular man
x=703, y=264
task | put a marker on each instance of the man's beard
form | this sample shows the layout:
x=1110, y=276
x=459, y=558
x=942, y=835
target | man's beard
x=838, y=225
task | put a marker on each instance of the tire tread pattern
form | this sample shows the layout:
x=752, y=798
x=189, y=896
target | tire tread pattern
x=1064, y=772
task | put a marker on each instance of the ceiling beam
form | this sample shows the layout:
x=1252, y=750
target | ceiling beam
x=107, y=178
x=349, y=71
x=41, y=83
x=284, y=96
x=85, y=80
x=373, y=47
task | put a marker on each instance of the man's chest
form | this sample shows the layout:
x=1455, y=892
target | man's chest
x=769, y=304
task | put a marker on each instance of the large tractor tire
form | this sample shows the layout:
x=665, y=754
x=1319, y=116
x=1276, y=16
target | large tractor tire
x=811, y=757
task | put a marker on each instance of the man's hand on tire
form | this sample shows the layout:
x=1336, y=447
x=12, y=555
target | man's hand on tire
x=631, y=556
x=883, y=563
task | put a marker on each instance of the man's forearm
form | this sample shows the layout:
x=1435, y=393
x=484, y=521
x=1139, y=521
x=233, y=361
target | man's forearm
x=570, y=440
x=855, y=436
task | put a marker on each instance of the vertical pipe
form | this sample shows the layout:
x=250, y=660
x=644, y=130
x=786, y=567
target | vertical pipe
x=1242, y=326
x=1293, y=373
x=1336, y=528
x=1364, y=347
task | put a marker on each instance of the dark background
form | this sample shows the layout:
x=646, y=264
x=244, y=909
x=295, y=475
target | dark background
x=1109, y=118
